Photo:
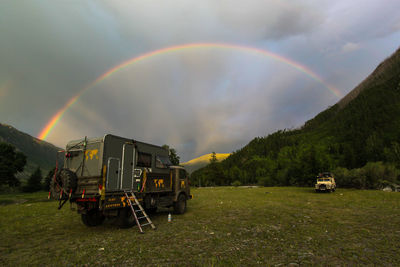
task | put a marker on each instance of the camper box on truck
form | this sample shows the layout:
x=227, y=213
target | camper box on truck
x=98, y=172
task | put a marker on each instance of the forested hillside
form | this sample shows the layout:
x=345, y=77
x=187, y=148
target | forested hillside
x=38, y=152
x=358, y=136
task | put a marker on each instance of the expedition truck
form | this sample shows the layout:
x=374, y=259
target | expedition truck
x=325, y=183
x=98, y=173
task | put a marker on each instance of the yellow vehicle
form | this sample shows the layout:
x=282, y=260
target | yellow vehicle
x=325, y=183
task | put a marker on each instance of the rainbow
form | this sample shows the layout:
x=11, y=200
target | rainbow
x=5, y=87
x=44, y=133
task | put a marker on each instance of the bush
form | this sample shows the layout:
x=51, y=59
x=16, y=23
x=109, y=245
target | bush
x=266, y=181
x=11, y=163
x=392, y=174
x=357, y=178
x=342, y=177
x=34, y=182
x=372, y=176
x=236, y=183
x=374, y=172
x=47, y=179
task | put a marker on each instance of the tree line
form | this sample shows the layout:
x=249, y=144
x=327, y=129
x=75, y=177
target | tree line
x=13, y=162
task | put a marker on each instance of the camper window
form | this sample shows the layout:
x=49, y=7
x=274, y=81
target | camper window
x=144, y=160
x=162, y=162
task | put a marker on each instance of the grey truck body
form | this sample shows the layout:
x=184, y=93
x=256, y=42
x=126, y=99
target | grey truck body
x=106, y=167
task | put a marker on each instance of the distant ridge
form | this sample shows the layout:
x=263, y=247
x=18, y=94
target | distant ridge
x=38, y=152
x=199, y=162
x=377, y=76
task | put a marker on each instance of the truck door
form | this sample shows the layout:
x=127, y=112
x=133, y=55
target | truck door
x=113, y=174
x=175, y=180
x=182, y=179
x=127, y=167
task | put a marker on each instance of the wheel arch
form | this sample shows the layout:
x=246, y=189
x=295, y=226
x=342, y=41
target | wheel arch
x=178, y=194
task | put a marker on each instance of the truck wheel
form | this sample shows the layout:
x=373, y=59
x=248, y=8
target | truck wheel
x=125, y=218
x=180, y=205
x=92, y=218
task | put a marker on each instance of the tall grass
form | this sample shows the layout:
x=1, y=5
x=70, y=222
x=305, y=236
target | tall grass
x=222, y=226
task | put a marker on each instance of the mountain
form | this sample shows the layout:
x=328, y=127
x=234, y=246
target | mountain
x=363, y=127
x=38, y=152
x=200, y=162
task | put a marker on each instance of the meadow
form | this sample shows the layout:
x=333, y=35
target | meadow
x=223, y=226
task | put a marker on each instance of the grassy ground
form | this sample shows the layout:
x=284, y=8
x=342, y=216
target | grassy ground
x=222, y=226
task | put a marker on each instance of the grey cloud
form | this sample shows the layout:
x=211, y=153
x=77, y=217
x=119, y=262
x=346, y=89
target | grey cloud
x=350, y=47
x=197, y=101
x=257, y=19
x=49, y=52
x=215, y=20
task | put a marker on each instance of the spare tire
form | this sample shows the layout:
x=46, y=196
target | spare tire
x=64, y=182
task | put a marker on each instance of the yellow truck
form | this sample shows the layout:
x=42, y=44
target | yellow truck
x=325, y=182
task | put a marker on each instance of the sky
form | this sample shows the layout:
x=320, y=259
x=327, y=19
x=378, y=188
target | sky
x=267, y=65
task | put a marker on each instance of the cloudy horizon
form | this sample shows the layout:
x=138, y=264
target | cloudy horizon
x=196, y=100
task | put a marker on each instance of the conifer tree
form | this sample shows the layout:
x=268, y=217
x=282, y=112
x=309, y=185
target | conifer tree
x=11, y=162
x=34, y=181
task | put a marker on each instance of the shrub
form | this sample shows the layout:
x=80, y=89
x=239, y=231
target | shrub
x=372, y=176
x=34, y=182
x=266, y=181
x=342, y=177
x=374, y=171
x=236, y=183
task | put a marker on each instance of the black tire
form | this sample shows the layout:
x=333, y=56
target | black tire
x=66, y=180
x=92, y=218
x=180, y=205
x=125, y=218
x=322, y=188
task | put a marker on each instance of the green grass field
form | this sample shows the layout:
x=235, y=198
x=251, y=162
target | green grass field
x=222, y=226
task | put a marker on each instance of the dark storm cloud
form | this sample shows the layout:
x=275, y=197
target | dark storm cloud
x=197, y=101
x=48, y=51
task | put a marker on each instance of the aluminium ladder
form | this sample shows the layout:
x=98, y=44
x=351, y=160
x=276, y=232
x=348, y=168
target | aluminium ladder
x=138, y=212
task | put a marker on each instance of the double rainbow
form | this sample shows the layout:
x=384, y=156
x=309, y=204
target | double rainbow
x=44, y=133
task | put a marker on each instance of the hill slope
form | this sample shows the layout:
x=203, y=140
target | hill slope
x=362, y=127
x=197, y=163
x=38, y=152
